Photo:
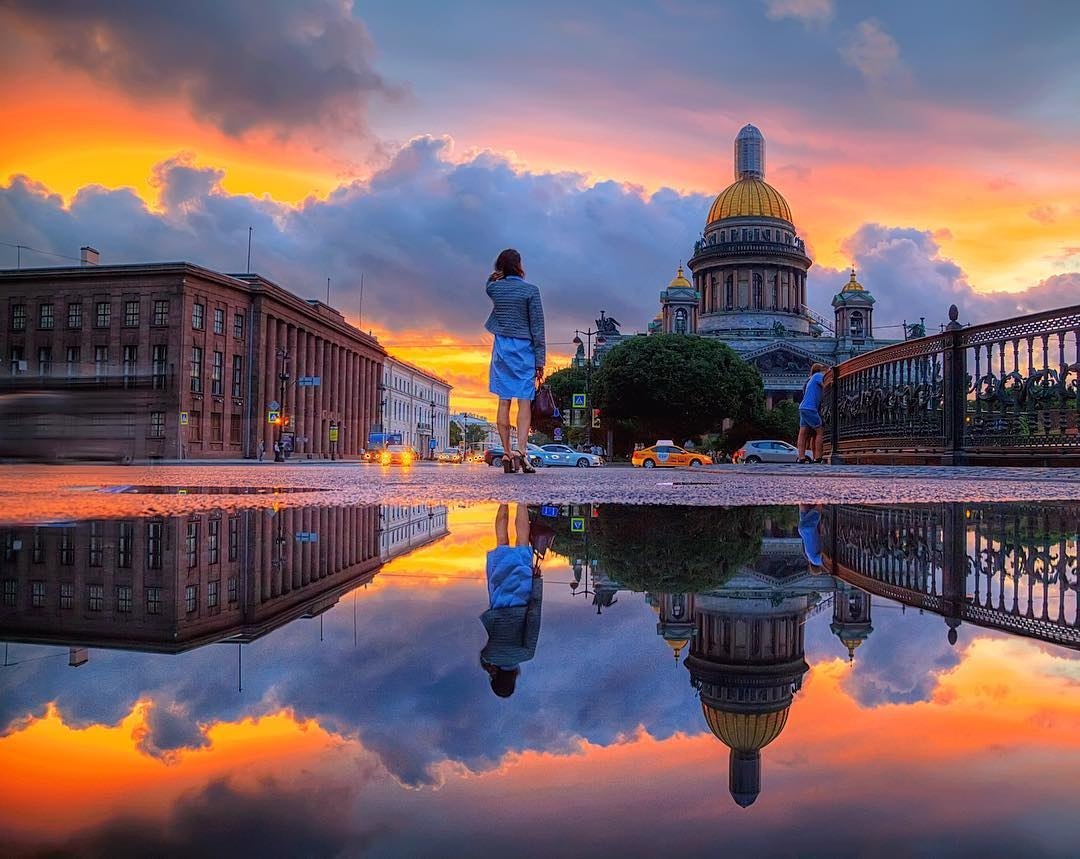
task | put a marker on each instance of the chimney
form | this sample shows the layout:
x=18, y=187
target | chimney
x=88, y=255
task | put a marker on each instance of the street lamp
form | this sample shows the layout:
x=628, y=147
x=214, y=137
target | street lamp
x=589, y=358
x=283, y=378
x=431, y=423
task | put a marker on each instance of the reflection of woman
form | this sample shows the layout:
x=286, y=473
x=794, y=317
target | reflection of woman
x=518, y=356
x=515, y=593
x=810, y=531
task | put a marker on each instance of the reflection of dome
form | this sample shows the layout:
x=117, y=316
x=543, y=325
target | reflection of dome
x=676, y=644
x=750, y=197
x=853, y=285
x=680, y=282
x=745, y=732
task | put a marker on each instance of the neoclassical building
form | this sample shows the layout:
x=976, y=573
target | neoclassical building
x=748, y=285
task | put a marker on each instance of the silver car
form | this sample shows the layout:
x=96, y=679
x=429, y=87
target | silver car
x=767, y=451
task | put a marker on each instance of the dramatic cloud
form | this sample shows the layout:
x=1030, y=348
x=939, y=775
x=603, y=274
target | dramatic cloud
x=168, y=729
x=807, y=11
x=278, y=64
x=875, y=54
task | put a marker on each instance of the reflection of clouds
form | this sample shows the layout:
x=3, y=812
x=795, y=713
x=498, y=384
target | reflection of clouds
x=168, y=729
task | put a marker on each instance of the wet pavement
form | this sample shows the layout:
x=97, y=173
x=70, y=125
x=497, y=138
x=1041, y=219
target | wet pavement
x=251, y=674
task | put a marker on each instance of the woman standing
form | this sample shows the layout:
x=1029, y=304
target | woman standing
x=519, y=353
x=811, y=433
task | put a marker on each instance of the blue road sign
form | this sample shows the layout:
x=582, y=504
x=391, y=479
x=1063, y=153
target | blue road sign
x=577, y=525
x=309, y=381
x=433, y=443
x=307, y=537
x=578, y=401
x=557, y=435
x=273, y=417
x=550, y=510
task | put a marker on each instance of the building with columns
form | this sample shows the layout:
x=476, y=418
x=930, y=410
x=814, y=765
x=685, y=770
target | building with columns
x=748, y=286
x=206, y=357
x=415, y=406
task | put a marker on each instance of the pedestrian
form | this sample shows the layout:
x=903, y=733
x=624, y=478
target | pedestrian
x=262, y=449
x=277, y=451
x=515, y=596
x=518, y=354
x=811, y=432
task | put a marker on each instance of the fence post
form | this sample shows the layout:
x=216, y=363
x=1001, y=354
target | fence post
x=834, y=425
x=954, y=392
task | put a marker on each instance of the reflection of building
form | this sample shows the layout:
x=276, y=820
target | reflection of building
x=404, y=527
x=748, y=286
x=173, y=583
x=851, y=617
x=207, y=346
x=675, y=619
x=416, y=406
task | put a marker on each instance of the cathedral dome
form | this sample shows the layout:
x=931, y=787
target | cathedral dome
x=750, y=197
x=745, y=731
x=680, y=282
x=853, y=285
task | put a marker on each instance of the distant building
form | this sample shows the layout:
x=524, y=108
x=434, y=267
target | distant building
x=491, y=431
x=415, y=407
x=749, y=285
x=208, y=358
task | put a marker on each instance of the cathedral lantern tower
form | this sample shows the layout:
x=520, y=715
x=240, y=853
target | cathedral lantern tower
x=851, y=617
x=675, y=620
x=679, y=306
x=749, y=268
x=854, y=307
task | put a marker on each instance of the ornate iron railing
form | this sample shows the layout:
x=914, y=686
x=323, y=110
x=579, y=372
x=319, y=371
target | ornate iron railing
x=1003, y=392
x=1010, y=567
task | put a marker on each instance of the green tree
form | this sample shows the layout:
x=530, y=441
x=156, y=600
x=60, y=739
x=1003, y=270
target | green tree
x=475, y=433
x=781, y=423
x=674, y=386
x=456, y=436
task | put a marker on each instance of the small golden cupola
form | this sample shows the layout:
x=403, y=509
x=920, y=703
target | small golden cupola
x=853, y=285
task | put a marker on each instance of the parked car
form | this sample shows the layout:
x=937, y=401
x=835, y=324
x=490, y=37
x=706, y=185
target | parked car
x=663, y=455
x=397, y=454
x=770, y=450
x=449, y=454
x=562, y=455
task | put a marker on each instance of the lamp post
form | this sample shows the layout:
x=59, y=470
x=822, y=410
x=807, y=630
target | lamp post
x=431, y=424
x=283, y=379
x=589, y=358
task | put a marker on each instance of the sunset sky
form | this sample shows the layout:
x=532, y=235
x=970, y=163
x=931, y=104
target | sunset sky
x=932, y=145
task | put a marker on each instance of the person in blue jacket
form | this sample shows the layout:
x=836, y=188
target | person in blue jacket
x=811, y=432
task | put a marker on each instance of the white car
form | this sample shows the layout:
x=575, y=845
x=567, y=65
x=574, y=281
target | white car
x=770, y=450
x=562, y=455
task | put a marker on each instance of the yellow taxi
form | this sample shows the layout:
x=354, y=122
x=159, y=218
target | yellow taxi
x=667, y=455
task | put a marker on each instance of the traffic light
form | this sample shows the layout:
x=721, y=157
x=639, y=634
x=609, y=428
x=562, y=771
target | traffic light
x=596, y=418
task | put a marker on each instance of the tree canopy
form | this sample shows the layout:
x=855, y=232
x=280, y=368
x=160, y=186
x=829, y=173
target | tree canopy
x=674, y=386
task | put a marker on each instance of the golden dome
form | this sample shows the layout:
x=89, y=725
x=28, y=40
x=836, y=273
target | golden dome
x=676, y=644
x=750, y=197
x=745, y=732
x=853, y=285
x=680, y=282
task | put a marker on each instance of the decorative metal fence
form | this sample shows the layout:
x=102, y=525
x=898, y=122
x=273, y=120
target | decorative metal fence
x=1008, y=567
x=1004, y=392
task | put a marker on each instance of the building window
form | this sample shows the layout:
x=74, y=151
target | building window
x=44, y=359
x=856, y=324
x=159, y=365
x=729, y=292
x=198, y=316
x=234, y=538
x=195, y=425
x=192, y=543
x=123, y=598
x=234, y=429
x=74, y=315
x=212, y=594
x=758, y=296
x=237, y=376
x=157, y=424
x=67, y=594
x=103, y=314
x=196, y=369
x=213, y=540
x=95, y=597
x=125, y=545
x=215, y=427
x=238, y=326
x=73, y=357
x=217, y=371
x=219, y=321
x=67, y=547
x=10, y=552
x=234, y=589
x=37, y=594
x=17, y=360
x=154, y=534
x=37, y=555
x=680, y=321
x=161, y=312
x=11, y=591
x=45, y=316
x=130, y=361
x=101, y=363
x=96, y=549
x=191, y=598
x=18, y=317
x=153, y=600
x=131, y=314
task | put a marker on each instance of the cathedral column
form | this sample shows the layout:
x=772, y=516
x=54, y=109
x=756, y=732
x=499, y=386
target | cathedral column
x=299, y=423
x=290, y=391
x=269, y=385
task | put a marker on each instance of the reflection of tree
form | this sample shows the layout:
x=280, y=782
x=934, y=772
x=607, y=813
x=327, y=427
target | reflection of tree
x=666, y=549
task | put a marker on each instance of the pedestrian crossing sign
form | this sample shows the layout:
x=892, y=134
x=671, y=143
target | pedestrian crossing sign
x=273, y=417
x=577, y=525
x=183, y=419
x=578, y=401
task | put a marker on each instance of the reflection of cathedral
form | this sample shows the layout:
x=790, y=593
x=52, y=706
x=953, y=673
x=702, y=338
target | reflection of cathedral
x=177, y=582
x=748, y=285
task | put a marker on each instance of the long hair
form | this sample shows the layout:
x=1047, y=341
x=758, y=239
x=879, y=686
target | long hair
x=507, y=264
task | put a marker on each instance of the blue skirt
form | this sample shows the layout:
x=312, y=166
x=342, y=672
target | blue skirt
x=513, y=369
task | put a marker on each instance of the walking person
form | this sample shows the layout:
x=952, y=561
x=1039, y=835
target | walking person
x=519, y=352
x=811, y=432
x=262, y=449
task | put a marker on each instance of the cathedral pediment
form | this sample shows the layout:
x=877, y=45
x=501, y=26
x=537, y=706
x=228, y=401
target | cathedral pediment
x=782, y=358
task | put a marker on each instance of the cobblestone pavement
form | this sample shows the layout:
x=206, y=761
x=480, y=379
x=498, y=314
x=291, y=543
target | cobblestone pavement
x=36, y=493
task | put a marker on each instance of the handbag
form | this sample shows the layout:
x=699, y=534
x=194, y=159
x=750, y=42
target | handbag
x=543, y=405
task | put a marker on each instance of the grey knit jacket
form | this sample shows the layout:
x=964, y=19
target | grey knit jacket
x=518, y=312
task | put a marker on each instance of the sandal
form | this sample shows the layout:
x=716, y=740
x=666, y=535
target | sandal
x=509, y=464
x=526, y=466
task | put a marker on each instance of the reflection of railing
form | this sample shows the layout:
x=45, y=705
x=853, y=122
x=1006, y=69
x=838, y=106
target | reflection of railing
x=1001, y=392
x=1008, y=567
